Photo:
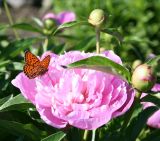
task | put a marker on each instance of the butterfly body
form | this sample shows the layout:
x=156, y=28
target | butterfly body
x=34, y=67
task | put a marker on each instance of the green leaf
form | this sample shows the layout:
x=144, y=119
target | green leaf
x=18, y=129
x=58, y=49
x=55, y=137
x=37, y=21
x=133, y=38
x=17, y=46
x=154, y=98
x=75, y=134
x=114, y=32
x=67, y=25
x=3, y=100
x=85, y=44
x=138, y=123
x=153, y=136
x=16, y=103
x=155, y=62
x=3, y=63
x=26, y=27
x=3, y=26
x=103, y=64
x=17, y=65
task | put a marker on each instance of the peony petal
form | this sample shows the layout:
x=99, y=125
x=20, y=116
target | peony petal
x=50, y=119
x=154, y=120
x=156, y=88
x=27, y=86
x=50, y=16
x=111, y=55
x=128, y=103
x=91, y=123
x=65, y=17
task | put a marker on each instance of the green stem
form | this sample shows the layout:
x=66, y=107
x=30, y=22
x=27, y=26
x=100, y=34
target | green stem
x=45, y=45
x=138, y=95
x=130, y=113
x=93, y=135
x=85, y=135
x=97, y=40
x=10, y=18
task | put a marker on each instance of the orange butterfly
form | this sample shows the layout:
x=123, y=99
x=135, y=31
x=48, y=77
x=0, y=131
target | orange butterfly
x=33, y=66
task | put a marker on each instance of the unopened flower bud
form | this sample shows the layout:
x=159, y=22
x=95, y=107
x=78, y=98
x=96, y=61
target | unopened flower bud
x=49, y=23
x=144, y=78
x=97, y=17
x=136, y=63
x=47, y=32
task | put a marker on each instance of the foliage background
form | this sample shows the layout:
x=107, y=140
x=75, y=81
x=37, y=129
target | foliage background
x=137, y=22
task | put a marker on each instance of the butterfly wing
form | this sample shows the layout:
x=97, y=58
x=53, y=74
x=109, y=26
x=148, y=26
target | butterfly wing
x=33, y=66
x=45, y=62
x=31, y=59
x=30, y=71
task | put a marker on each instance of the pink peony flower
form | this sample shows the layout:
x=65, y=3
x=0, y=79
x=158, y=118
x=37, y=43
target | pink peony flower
x=154, y=120
x=62, y=17
x=50, y=16
x=83, y=98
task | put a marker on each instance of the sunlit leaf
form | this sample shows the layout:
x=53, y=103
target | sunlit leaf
x=37, y=21
x=16, y=103
x=26, y=27
x=3, y=100
x=68, y=25
x=155, y=62
x=3, y=63
x=55, y=137
x=18, y=65
x=17, y=46
x=103, y=64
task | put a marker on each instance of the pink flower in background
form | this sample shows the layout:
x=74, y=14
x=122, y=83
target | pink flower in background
x=62, y=17
x=83, y=98
x=50, y=16
x=154, y=120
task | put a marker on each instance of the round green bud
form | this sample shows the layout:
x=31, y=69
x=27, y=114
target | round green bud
x=144, y=78
x=136, y=63
x=97, y=17
x=49, y=23
x=47, y=32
